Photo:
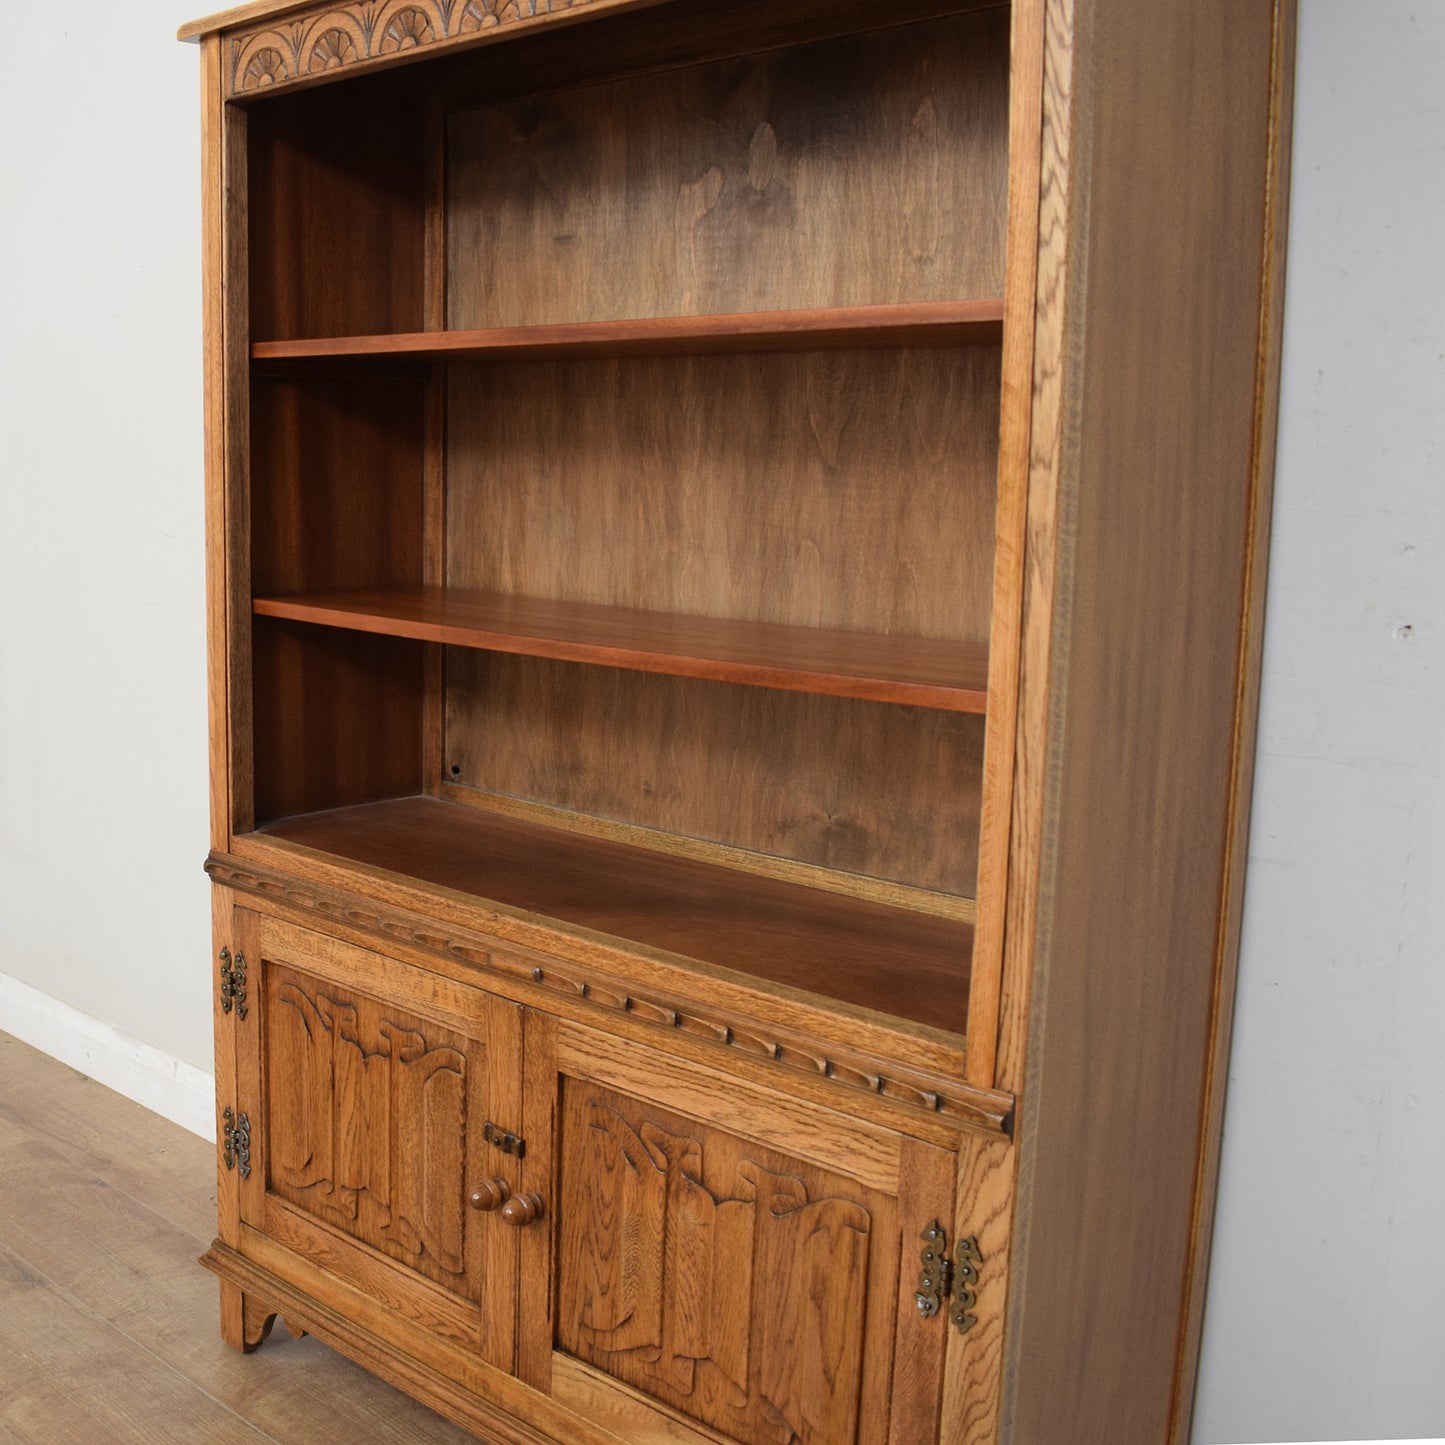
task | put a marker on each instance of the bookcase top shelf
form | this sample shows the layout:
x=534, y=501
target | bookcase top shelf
x=946, y=323
x=920, y=671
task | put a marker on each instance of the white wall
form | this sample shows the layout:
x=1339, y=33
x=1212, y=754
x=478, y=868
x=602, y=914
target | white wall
x=1326, y=1310
x=103, y=825
x=1325, y=1318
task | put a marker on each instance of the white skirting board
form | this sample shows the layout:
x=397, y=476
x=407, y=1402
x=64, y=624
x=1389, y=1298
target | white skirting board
x=168, y=1086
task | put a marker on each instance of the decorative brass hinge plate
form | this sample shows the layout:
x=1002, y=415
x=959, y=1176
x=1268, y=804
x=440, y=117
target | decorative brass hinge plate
x=233, y=983
x=940, y=1274
x=236, y=1142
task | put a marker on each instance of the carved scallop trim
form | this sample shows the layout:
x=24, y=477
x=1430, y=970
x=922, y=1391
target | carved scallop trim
x=366, y=31
x=977, y=1107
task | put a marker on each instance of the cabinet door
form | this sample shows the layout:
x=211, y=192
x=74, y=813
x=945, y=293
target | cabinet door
x=724, y=1255
x=367, y=1087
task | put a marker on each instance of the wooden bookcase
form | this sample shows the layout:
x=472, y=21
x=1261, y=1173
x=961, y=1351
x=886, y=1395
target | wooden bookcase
x=736, y=537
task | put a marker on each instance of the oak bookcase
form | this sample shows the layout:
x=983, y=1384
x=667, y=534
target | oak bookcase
x=736, y=534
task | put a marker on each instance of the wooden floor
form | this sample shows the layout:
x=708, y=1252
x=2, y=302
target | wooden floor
x=108, y=1326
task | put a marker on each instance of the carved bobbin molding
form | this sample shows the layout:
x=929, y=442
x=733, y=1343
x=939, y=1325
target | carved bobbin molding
x=978, y=1108
x=364, y=33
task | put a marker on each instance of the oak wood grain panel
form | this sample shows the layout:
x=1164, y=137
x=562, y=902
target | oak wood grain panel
x=225, y=934
x=973, y=1370
x=797, y=1127
x=1155, y=477
x=938, y=323
x=455, y=1383
x=432, y=1310
x=917, y=671
x=741, y=186
x=888, y=960
x=925, y=1195
x=629, y=1414
x=1010, y=533
x=219, y=684
x=728, y=1280
x=779, y=488
x=866, y=788
x=337, y=212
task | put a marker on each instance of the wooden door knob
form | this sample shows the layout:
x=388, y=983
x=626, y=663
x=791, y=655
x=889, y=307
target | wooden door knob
x=522, y=1209
x=489, y=1194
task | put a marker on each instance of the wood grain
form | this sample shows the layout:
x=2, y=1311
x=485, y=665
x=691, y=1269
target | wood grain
x=1247, y=704
x=721, y=1277
x=337, y=718
x=777, y=488
x=869, y=789
x=336, y=207
x=769, y=865
x=974, y=1360
x=1154, y=474
x=939, y=323
x=1010, y=537
x=917, y=671
x=726, y=187
x=877, y=958
x=337, y=500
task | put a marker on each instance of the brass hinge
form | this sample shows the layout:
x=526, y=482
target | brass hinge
x=940, y=1275
x=233, y=983
x=236, y=1142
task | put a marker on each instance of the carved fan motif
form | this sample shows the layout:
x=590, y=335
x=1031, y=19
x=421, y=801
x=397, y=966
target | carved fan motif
x=266, y=68
x=406, y=30
x=333, y=49
x=362, y=32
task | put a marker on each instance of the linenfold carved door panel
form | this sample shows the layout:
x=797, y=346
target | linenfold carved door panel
x=367, y=1123
x=367, y=1120
x=734, y=1256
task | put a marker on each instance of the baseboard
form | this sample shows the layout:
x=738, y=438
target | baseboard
x=168, y=1086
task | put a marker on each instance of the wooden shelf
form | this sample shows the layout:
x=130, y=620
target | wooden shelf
x=890, y=960
x=950, y=323
x=919, y=671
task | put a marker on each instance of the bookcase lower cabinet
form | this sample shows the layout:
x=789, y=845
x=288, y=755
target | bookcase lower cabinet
x=559, y=1219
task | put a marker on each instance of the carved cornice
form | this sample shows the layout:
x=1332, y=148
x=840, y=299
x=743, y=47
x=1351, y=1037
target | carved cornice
x=369, y=32
x=957, y=1102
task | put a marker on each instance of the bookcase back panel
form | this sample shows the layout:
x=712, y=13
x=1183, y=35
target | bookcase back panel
x=867, y=788
x=337, y=718
x=859, y=170
x=336, y=482
x=847, y=489
x=335, y=211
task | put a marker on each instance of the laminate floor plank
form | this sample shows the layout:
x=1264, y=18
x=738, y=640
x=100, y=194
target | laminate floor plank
x=166, y=1167
x=98, y=1252
x=66, y=1375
